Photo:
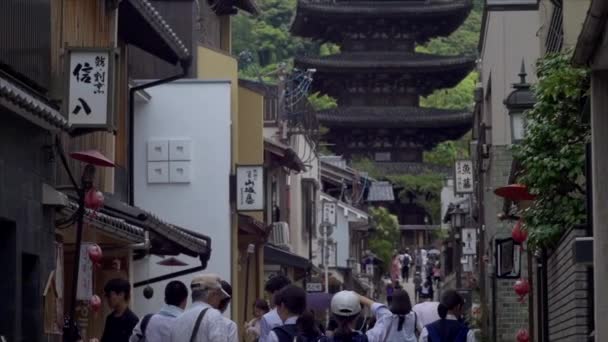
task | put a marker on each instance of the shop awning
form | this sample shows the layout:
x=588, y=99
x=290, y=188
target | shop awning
x=277, y=256
x=140, y=24
x=128, y=223
x=34, y=109
x=252, y=227
x=285, y=155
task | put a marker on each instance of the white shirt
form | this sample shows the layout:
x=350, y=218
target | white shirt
x=387, y=325
x=213, y=328
x=269, y=321
x=159, y=325
x=427, y=312
x=272, y=337
x=424, y=336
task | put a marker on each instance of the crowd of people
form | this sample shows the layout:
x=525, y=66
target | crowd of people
x=286, y=318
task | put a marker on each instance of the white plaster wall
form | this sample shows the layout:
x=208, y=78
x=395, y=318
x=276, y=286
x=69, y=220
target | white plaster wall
x=509, y=37
x=306, y=152
x=200, y=111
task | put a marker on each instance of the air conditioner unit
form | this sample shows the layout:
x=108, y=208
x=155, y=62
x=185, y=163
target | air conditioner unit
x=280, y=234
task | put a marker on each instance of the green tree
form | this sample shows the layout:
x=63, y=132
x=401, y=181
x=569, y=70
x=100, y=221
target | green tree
x=552, y=153
x=386, y=237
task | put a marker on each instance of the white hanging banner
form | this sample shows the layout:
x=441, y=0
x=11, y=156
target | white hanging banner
x=85, y=274
x=90, y=78
x=250, y=188
x=463, y=177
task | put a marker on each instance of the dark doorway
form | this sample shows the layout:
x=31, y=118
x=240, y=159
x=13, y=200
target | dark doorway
x=30, y=297
x=8, y=283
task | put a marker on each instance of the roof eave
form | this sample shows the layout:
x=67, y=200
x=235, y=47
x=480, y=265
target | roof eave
x=591, y=33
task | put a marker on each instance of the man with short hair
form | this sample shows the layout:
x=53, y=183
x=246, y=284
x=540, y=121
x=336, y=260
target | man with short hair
x=426, y=311
x=202, y=322
x=290, y=304
x=119, y=323
x=272, y=319
x=157, y=327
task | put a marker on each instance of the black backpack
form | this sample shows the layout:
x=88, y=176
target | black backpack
x=143, y=326
x=289, y=333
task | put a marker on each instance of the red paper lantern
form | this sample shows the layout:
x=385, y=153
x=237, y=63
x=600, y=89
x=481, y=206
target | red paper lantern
x=95, y=303
x=522, y=288
x=93, y=199
x=519, y=234
x=523, y=335
x=95, y=253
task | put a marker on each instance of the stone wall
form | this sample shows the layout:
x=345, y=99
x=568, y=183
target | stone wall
x=502, y=302
x=569, y=311
x=26, y=229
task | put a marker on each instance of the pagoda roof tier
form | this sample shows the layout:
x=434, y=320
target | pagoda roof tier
x=424, y=72
x=395, y=117
x=330, y=20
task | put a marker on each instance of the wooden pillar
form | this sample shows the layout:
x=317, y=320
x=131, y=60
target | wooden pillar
x=599, y=157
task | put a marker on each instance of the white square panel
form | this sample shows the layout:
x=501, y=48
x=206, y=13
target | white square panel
x=158, y=150
x=179, y=172
x=158, y=172
x=179, y=150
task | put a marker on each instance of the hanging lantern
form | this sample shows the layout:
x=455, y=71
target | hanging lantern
x=95, y=253
x=522, y=288
x=523, y=335
x=93, y=199
x=95, y=303
x=148, y=292
x=519, y=234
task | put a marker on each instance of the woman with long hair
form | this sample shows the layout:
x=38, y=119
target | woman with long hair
x=395, y=269
x=400, y=325
x=448, y=328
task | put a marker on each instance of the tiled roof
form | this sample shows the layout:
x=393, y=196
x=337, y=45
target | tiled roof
x=417, y=117
x=395, y=168
x=381, y=192
x=108, y=224
x=157, y=21
x=38, y=110
x=419, y=62
x=330, y=19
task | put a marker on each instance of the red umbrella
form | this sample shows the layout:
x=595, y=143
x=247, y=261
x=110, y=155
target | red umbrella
x=515, y=192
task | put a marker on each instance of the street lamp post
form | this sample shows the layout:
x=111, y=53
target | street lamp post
x=518, y=102
x=457, y=219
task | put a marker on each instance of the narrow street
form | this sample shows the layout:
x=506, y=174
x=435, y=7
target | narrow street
x=266, y=170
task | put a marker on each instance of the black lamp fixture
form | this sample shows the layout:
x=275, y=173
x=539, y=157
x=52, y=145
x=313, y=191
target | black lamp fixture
x=518, y=102
x=458, y=217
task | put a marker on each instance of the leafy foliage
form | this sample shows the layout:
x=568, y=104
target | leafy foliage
x=459, y=97
x=423, y=190
x=321, y=102
x=386, y=237
x=446, y=152
x=552, y=153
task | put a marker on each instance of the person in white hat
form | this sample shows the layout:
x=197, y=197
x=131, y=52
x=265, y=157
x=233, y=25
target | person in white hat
x=202, y=322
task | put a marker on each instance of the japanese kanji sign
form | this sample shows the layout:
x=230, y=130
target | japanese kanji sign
x=89, y=87
x=330, y=213
x=463, y=177
x=469, y=241
x=250, y=188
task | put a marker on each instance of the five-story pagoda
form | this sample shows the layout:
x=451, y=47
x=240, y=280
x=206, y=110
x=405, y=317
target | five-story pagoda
x=378, y=78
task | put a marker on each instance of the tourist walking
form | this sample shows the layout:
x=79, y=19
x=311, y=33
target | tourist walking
x=448, y=328
x=290, y=304
x=252, y=328
x=426, y=311
x=400, y=324
x=406, y=261
x=395, y=268
x=345, y=309
x=271, y=319
x=157, y=327
x=121, y=321
x=202, y=322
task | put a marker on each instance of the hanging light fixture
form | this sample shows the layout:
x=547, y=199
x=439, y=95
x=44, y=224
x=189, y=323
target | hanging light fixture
x=518, y=102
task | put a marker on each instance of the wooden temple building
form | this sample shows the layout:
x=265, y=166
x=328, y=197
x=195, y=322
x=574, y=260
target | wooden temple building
x=378, y=79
